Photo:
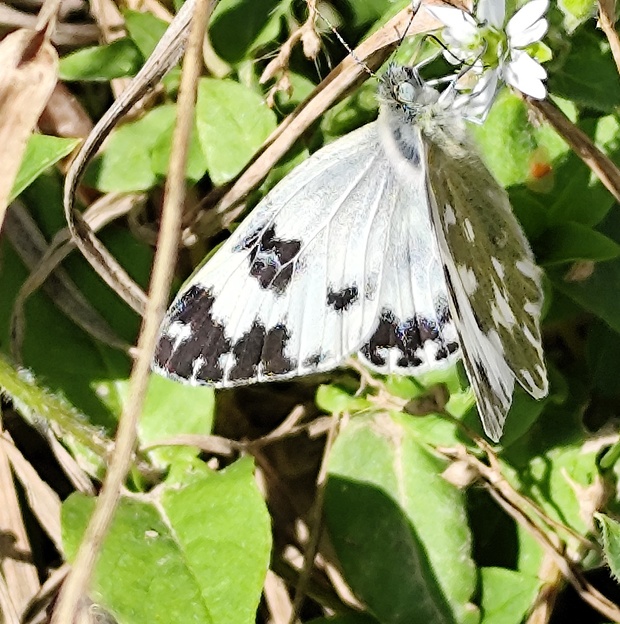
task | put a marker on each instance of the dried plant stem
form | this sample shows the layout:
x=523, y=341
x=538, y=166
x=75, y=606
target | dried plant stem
x=166, y=54
x=584, y=589
x=512, y=502
x=315, y=525
x=77, y=582
x=348, y=74
x=581, y=144
x=607, y=23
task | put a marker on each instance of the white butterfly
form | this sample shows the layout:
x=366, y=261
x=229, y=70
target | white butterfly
x=394, y=242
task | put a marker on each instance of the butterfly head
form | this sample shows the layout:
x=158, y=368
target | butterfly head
x=402, y=87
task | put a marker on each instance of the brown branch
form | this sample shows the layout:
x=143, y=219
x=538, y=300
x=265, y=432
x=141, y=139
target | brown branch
x=607, y=23
x=581, y=144
x=341, y=80
x=163, y=268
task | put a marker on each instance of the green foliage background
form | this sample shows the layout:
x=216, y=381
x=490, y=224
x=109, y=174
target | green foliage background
x=192, y=541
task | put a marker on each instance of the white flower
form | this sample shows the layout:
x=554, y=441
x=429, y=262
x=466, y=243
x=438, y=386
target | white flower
x=496, y=48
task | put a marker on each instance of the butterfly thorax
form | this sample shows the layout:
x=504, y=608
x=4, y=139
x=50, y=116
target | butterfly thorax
x=414, y=115
x=411, y=109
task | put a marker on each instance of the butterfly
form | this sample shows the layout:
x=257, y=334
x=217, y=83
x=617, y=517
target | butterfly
x=394, y=243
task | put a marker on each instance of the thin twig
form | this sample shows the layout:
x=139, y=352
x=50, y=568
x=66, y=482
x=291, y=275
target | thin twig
x=166, y=54
x=513, y=503
x=314, y=523
x=584, y=589
x=581, y=144
x=163, y=268
x=607, y=23
x=374, y=51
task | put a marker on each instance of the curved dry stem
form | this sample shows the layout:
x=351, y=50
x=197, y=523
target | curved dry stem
x=165, y=257
x=607, y=23
x=166, y=54
x=584, y=589
x=581, y=144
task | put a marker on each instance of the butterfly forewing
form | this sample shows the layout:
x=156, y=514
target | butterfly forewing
x=308, y=279
x=493, y=280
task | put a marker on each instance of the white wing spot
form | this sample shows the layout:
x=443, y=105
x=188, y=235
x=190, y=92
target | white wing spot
x=527, y=268
x=496, y=341
x=179, y=333
x=197, y=364
x=226, y=361
x=530, y=336
x=533, y=309
x=527, y=377
x=468, y=229
x=499, y=267
x=449, y=216
x=501, y=311
x=468, y=279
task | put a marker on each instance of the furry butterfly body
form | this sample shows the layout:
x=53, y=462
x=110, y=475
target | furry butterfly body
x=395, y=243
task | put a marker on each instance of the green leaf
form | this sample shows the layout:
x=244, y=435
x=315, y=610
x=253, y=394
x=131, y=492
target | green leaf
x=507, y=596
x=102, y=63
x=577, y=196
x=610, y=531
x=399, y=529
x=507, y=130
x=82, y=369
x=160, y=156
x=530, y=209
x=170, y=409
x=576, y=12
x=137, y=154
x=569, y=242
x=364, y=13
x=236, y=25
x=554, y=463
x=233, y=122
x=593, y=293
x=41, y=153
x=194, y=552
x=331, y=398
x=588, y=76
x=144, y=29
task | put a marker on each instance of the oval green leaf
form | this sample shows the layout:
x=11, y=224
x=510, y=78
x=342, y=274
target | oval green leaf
x=194, y=552
x=399, y=529
x=233, y=122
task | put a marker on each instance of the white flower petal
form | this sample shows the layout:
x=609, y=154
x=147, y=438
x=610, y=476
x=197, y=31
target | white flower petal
x=526, y=17
x=492, y=12
x=454, y=56
x=482, y=96
x=526, y=74
x=460, y=24
x=530, y=35
x=524, y=64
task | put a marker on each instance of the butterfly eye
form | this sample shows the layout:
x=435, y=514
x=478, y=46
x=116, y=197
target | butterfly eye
x=405, y=92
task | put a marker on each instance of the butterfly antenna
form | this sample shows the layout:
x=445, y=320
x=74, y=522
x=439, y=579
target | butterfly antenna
x=415, y=7
x=344, y=44
x=467, y=67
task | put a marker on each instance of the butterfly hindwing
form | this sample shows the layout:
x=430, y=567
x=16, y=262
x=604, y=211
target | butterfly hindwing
x=494, y=284
x=296, y=287
x=413, y=332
